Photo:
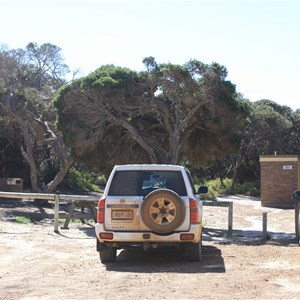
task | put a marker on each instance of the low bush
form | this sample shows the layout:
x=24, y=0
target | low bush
x=84, y=180
x=248, y=188
x=217, y=187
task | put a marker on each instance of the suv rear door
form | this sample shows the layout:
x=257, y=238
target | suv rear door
x=129, y=187
x=122, y=201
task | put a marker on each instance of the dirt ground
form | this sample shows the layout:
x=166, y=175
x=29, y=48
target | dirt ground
x=36, y=263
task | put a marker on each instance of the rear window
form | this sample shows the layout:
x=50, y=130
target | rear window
x=172, y=180
x=125, y=183
x=141, y=183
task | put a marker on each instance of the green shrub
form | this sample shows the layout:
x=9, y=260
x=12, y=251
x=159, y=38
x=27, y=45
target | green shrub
x=225, y=188
x=211, y=195
x=216, y=187
x=83, y=180
x=213, y=189
x=248, y=188
x=101, y=180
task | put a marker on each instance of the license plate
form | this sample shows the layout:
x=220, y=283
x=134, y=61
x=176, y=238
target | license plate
x=122, y=215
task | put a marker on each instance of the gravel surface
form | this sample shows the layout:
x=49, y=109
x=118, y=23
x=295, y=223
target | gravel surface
x=36, y=263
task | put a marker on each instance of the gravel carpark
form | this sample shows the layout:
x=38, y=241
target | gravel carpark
x=37, y=263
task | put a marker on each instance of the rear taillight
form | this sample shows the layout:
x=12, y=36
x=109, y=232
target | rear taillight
x=194, y=216
x=101, y=211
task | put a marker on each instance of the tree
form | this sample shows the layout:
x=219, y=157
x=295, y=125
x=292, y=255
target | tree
x=28, y=80
x=272, y=129
x=166, y=114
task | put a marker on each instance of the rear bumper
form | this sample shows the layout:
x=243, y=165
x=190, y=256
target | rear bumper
x=149, y=237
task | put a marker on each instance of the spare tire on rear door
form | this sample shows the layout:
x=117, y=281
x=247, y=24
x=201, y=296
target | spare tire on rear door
x=163, y=211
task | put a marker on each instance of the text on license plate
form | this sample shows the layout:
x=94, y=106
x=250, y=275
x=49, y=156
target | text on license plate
x=122, y=215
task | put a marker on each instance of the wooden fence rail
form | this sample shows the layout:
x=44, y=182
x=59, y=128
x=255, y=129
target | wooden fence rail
x=91, y=201
x=57, y=198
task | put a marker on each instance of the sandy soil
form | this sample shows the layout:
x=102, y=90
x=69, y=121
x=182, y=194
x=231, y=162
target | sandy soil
x=36, y=263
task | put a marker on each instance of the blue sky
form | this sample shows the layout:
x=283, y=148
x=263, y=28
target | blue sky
x=256, y=40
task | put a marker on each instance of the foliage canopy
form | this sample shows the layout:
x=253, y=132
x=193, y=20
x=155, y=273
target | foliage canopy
x=165, y=114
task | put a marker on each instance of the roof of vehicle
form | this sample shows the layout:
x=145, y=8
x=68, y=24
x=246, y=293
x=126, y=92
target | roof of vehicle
x=163, y=167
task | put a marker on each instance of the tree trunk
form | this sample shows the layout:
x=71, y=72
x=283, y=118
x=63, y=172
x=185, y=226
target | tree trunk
x=52, y=186
x=235, y=168
x=27, y=152
x=136, y=136
x=32, y=169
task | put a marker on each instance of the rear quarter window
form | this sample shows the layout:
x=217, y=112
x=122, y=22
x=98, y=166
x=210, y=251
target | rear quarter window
x=191, y=181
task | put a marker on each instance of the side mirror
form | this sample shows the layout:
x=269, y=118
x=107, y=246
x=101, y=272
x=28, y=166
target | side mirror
x=202, y=190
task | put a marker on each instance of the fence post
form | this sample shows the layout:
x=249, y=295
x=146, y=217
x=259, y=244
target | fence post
x=297, y=219
x=265, y=232
x=56, y=212
x=230, y=218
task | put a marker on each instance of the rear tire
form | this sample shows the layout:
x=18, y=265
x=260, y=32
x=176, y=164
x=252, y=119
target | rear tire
x=106, y=254
x=193, y=251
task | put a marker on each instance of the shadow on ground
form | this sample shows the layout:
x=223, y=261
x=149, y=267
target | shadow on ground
x=166, y=260
x=249, y=237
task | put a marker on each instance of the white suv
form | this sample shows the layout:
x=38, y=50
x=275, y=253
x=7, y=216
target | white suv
x=149, y=206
